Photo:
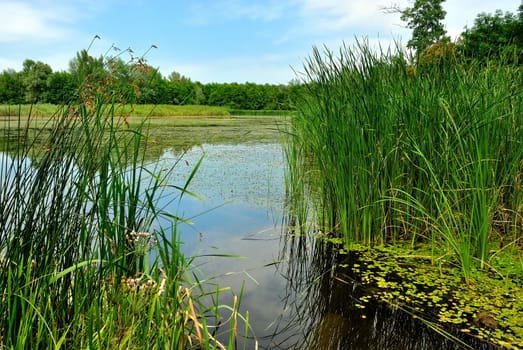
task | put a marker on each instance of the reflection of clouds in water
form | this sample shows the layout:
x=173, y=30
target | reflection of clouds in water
x=11, y=166
x=264, y=288
x=217, y=225
x=17, y=174
x=21, y=177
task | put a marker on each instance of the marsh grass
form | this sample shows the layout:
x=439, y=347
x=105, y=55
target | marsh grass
x=427, y=155
x=79, y=223
x=133, y=110
x=36, y=110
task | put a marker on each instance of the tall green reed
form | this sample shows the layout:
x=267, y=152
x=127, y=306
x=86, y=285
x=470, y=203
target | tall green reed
x=84, y=259
x=428, y=153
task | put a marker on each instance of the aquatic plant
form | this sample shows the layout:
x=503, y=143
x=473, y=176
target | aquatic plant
x=392, y=154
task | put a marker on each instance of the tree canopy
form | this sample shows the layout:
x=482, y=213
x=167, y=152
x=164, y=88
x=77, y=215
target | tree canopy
x=425, y=18
x=495, y=35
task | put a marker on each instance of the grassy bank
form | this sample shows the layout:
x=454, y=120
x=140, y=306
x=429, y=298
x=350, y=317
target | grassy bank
x=84, y=260
x=140, y=110
x=172, y=110
x=47, y=110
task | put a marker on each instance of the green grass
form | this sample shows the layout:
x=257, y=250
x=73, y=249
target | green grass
x=172, y=110
x=263, y=112
x=392, y=155
x=38, y=110
x=46, y=110
x=84, y=260
x=141, y=110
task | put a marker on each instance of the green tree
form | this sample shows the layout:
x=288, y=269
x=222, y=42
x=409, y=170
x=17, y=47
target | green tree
x=199, y=95
x=176, y=77
x=183, y=90
x=11, y=87
x=125, y=79
x=91, y=73
x=34, y=77
x=495, y=35
x=60, y=88
x=85, y=66
x=150, y=85
x=425, y=18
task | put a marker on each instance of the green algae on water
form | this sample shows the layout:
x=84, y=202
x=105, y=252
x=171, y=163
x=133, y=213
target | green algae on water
x=488, y=307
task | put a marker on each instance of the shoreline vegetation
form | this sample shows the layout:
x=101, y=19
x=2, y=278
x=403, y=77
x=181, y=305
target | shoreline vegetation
x=142, y=110
x=422, y=163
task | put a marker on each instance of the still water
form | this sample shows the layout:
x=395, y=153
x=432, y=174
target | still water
x=239, y=213
x=241, y=237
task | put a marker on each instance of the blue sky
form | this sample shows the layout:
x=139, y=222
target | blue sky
x=258, y=41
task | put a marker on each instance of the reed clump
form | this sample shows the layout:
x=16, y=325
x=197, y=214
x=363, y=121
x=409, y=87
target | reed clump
x=395, y=152
x=85, y=259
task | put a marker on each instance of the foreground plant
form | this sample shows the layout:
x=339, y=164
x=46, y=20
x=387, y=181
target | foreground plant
x=84, y=259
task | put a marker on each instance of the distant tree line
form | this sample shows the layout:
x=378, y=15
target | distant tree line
x=134, y=81
x=495, y=35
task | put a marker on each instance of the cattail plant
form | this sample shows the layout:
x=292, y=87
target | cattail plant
x=393, y=152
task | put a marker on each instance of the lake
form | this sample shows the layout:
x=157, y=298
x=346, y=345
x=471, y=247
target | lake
x=241, y=187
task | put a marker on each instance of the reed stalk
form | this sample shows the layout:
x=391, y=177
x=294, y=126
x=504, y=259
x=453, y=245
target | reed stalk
x=427, y=154
x=84, y=259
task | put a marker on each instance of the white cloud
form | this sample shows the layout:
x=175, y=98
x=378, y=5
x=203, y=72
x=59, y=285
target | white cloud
x=368, y=16
x=6, y=63
x=343, y=14
x=274, y=68
x=33, y=21
x=45, y=30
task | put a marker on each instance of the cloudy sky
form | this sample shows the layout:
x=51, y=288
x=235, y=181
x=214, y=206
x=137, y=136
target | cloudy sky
x=258, y=41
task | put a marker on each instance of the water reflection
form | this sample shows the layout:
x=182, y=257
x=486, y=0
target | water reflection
x=325, y=311
x=241, y=186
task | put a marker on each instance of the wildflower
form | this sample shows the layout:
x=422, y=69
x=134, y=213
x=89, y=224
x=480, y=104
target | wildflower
x=142, y=241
